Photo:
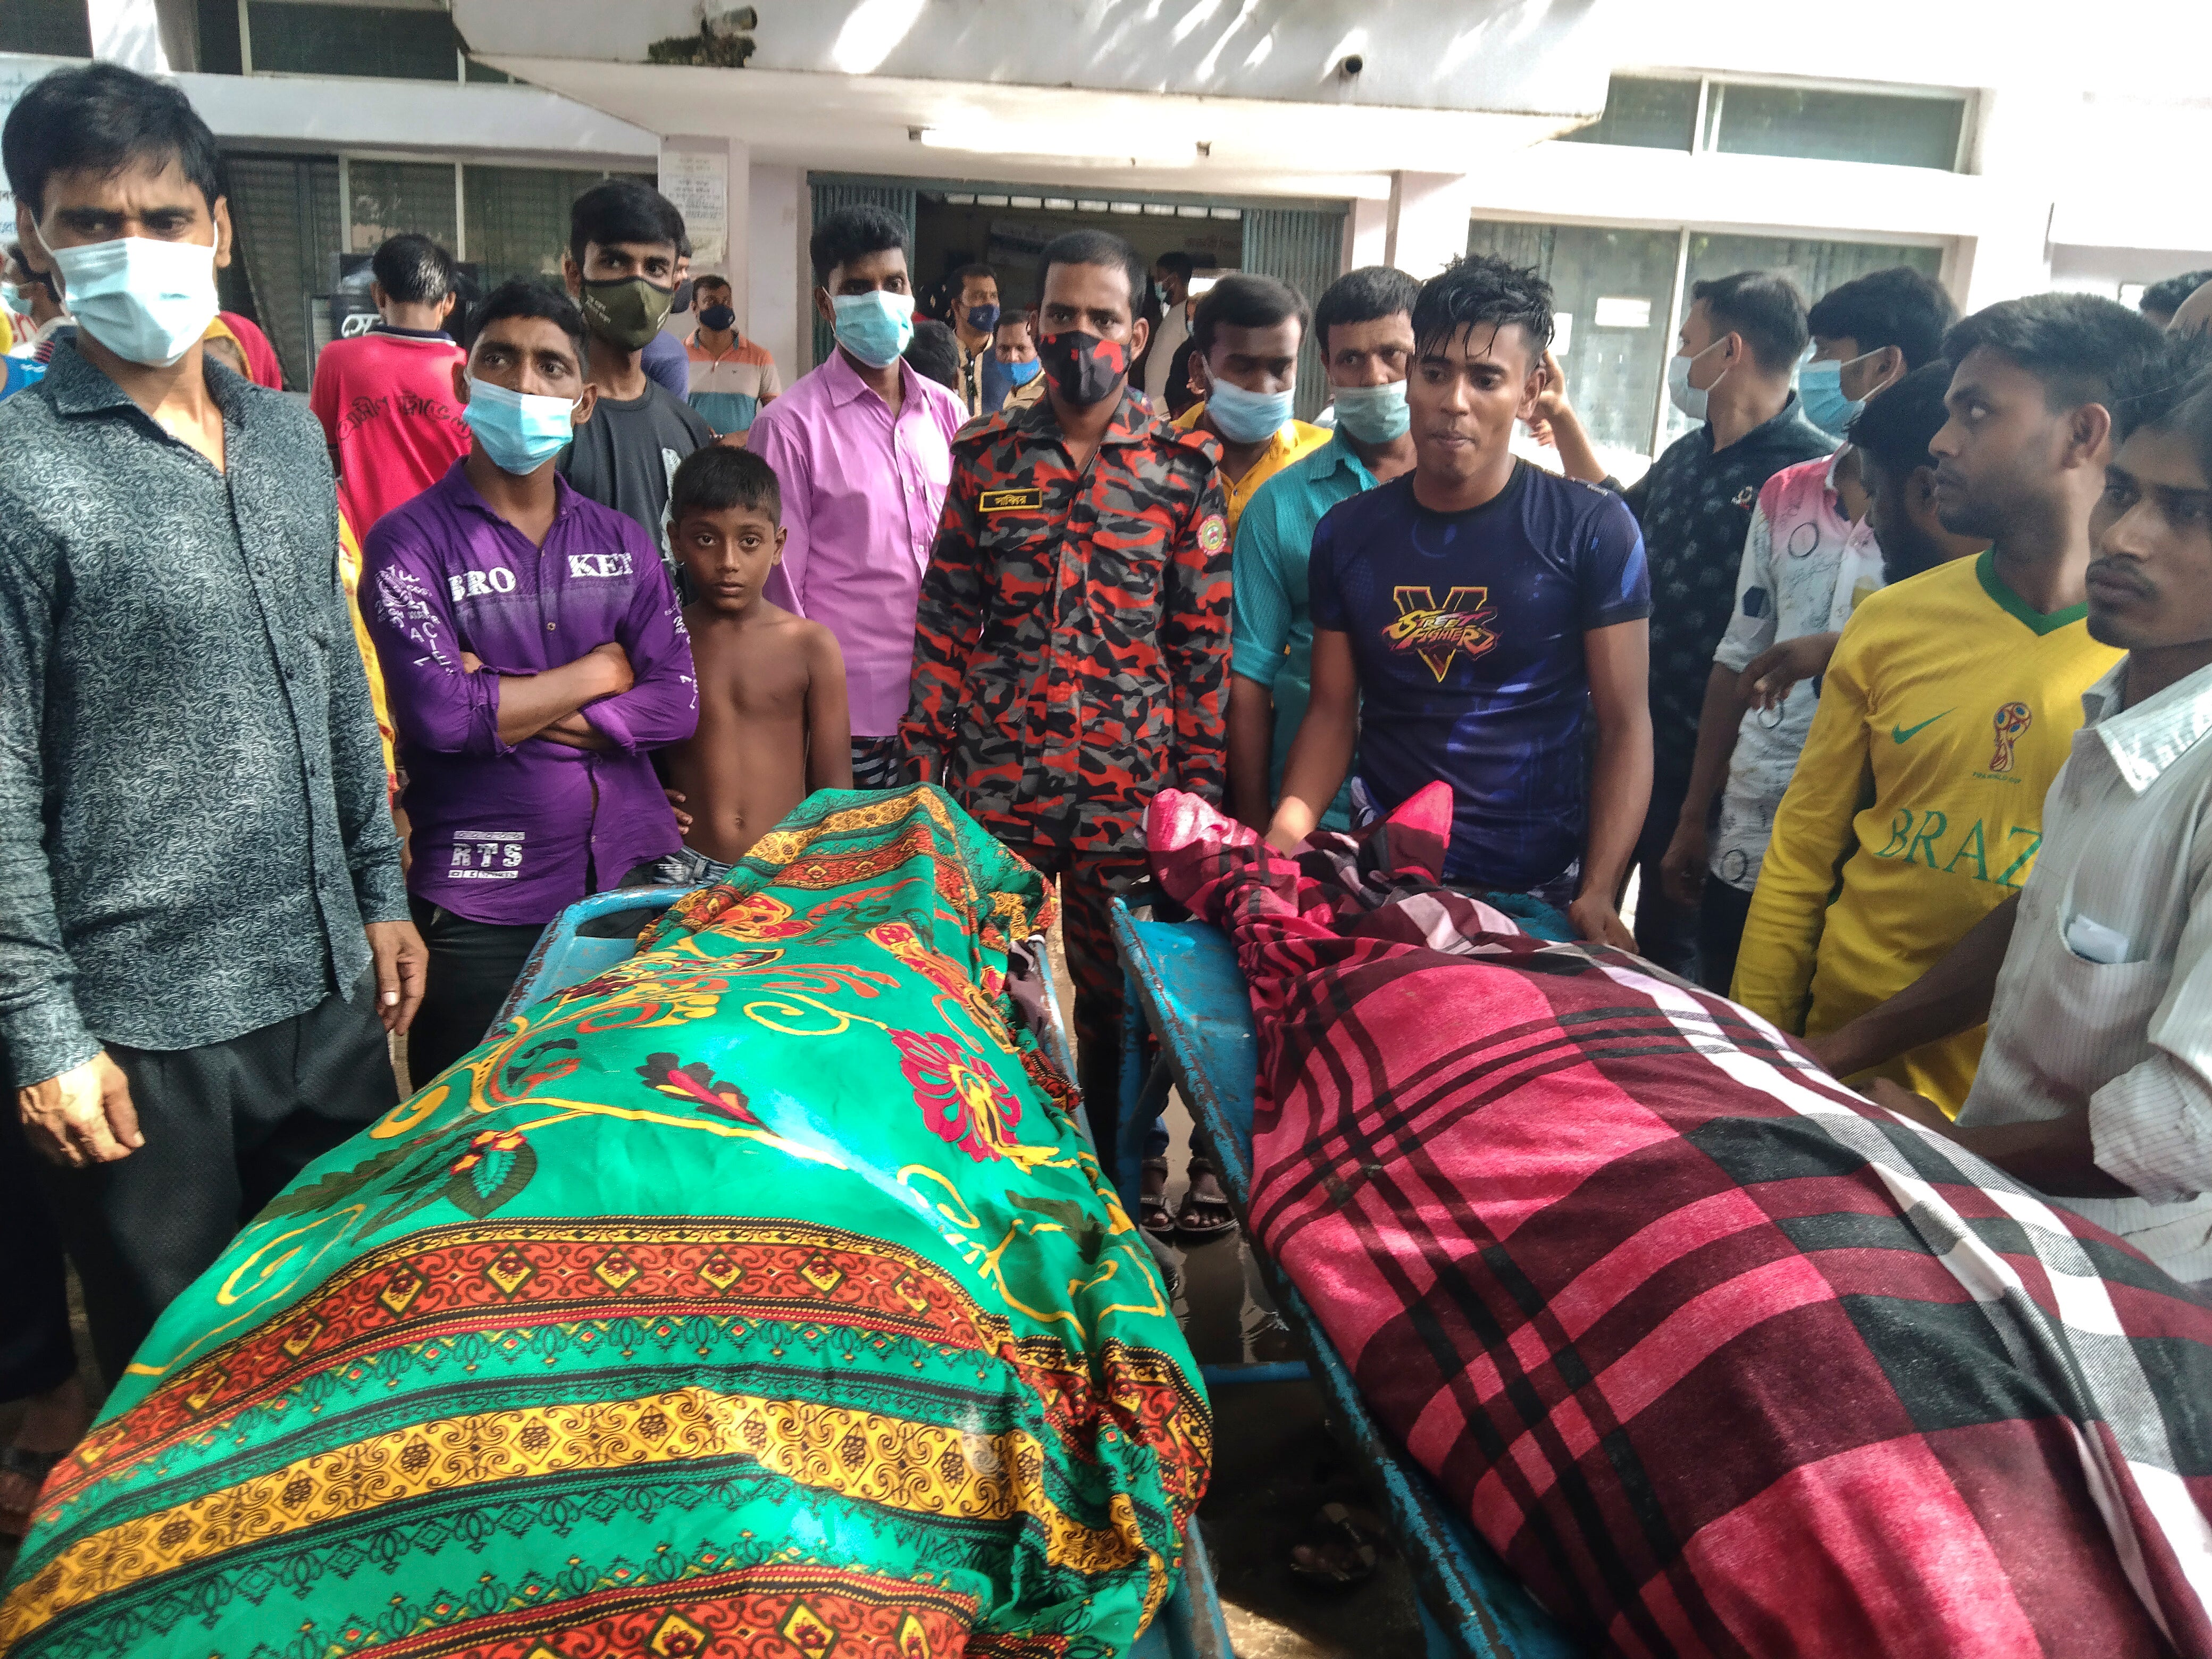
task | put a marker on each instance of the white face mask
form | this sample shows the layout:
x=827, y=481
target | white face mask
x=1687, y=398
x=145, y=300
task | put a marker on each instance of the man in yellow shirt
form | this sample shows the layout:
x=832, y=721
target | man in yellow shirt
x=1952, y=698
x=1245, y=334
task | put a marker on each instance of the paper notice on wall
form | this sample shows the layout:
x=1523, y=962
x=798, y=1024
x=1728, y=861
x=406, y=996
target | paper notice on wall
x=1563, y=333
x=698, y=182
x=1623, y=313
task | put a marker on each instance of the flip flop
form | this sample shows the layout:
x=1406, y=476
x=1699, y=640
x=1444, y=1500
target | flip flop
x=1202, y=1219
x=1339, y=1551
x=33, y=1466
x=1152, y=1213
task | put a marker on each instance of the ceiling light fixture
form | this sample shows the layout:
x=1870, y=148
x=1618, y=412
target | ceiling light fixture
x=1062, y=142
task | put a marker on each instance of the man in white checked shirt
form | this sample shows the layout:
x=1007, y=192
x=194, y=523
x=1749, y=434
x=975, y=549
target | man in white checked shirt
x=2096, y=1084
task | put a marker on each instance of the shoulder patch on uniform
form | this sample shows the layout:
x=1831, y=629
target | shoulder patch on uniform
x=1213, y=534
x=1009, y=501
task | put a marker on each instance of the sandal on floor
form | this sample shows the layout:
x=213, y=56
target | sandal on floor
x=1152, y=1215
x=33, y=1466
x=1340, y=1548
x=1202, y=1219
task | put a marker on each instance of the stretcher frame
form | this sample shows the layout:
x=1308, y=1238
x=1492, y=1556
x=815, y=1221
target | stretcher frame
x=1184, y=984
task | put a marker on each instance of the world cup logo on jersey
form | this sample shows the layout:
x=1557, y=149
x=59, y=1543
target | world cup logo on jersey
x=2008, y=723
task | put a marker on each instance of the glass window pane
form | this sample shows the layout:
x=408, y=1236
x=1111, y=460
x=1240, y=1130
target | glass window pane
x=1814, y=266
x=1841, y=126
x=53, y=29
x=1651, y=114
x=393, y=42
x=286, y=213
x=519, y=219
x=393, y=197
x=1614, y=285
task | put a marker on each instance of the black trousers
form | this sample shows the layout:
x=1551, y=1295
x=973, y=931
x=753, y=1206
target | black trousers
x=1721, y=913
x=473, y=965
x=1666, y=933
x=227, y=1126
x=35, y=1354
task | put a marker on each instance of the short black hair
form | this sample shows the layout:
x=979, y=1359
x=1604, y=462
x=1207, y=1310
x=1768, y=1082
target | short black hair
x=711, y=279
x=1764, y=307
x=1246, y=300
x=718, y=477
x=849, y=233
x=957, y=284
x=2164, y=298
x=934, y=351
x=1896, y=305
x=101, y=119
x=523, y=296
x=1011, y=317
x=2084, y=348
x=1179, y=261
x=1362, y=296
x=1095, y=247
x=413, y=269
x=1478, y=290
x=615, y=211
x=2176, y=397
x=1894, y=430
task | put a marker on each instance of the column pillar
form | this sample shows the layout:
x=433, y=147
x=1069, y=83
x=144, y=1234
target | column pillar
x=1426, y=221
x=709, y=180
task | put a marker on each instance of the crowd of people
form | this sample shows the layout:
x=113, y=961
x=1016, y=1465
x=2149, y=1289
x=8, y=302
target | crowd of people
x=1882, y=688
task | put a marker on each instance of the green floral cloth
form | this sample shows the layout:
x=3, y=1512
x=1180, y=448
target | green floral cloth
x=759, y=1296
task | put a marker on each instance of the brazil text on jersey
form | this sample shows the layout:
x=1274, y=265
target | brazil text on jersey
x=1920, y=837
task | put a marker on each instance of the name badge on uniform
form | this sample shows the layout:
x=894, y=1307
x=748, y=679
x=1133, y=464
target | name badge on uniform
x=1009, y=501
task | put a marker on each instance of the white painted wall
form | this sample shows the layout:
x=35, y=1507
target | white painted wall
x=773, y=255
x=1539, y=56
x=307, y=111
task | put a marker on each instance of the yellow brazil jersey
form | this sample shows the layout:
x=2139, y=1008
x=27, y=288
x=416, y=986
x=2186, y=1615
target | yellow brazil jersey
x=1291, y=442
x=1917, y=807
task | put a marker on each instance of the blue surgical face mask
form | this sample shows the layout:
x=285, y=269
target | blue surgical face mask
x=1690, y=399
x=145, y=300
x=875, y=326
x=1820, y=389
x=519, y=432
x=1022, y=372
x=1247, y=417
x=1374, y=414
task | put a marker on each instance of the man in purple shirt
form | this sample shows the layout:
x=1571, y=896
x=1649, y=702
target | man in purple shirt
x=863, y=449
x=532, y=651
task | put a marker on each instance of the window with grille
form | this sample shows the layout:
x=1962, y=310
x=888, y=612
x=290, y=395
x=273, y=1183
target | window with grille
x=1893, y=128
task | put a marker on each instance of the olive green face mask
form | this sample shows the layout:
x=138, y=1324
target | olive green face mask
x=626, y=312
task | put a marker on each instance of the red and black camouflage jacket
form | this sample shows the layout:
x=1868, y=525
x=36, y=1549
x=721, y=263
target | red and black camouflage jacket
x=1071, y=641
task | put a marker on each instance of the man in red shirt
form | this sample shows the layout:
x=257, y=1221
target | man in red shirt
x=386, y=397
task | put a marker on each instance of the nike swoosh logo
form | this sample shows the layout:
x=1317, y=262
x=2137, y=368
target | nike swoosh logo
x=1906, y=733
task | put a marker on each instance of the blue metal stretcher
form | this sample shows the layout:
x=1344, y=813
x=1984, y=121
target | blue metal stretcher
x=1185, y=984
x=591, y=937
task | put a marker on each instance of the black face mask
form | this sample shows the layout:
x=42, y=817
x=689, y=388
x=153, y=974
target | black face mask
x=715, y=318
x=1085, y=368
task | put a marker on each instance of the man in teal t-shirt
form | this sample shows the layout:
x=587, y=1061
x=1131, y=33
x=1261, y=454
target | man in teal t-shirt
x=1364, y=326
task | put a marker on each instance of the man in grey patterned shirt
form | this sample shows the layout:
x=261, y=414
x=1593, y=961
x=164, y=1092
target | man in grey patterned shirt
x=200, y=911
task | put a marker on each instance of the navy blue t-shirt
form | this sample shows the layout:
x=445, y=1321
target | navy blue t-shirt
x=1467, y=630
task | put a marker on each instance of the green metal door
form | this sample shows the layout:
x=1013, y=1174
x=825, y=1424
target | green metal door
x=833, y=190
x=1304, y=247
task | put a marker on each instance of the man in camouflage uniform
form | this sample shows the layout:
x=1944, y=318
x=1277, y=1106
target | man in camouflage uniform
x=1071, y=642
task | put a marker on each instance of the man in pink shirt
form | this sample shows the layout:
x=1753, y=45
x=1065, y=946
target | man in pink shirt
x=386, y=397
x=863, y=449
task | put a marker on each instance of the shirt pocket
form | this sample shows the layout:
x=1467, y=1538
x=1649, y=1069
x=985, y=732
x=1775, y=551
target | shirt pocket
x=2088, y=1021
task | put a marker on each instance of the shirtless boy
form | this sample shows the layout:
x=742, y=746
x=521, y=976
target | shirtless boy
x=771, y=721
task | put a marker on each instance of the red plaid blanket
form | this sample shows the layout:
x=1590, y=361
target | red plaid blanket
x=1720, y=1357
